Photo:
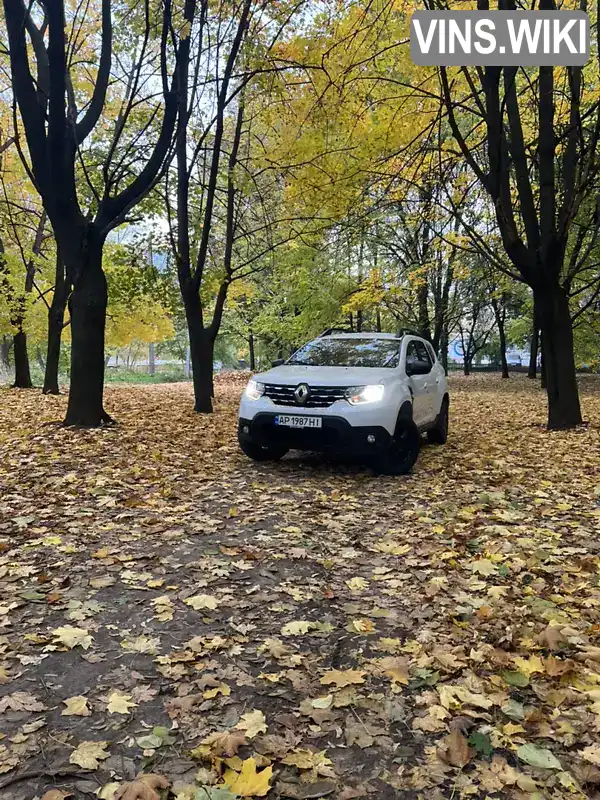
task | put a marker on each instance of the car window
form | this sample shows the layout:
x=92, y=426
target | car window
x=423, y=353
x=331, y=352
x=431, y=352
x=416, y=352
x=411, y=353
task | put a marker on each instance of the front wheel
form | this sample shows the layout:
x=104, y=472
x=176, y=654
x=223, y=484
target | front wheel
x=439, y=433
x=258, y=453
x=403, y=450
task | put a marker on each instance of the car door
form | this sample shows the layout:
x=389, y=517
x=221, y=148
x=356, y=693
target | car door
x=419, y=384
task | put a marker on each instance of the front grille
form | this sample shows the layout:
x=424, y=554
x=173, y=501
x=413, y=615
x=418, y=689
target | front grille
x=319, y=397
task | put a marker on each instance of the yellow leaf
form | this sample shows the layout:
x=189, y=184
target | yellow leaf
x=357, y=584
x=306, y=759
x=72, y=637
x=222, y=688
x=342, y=678
x=297, y=627
x=252, y=722
x=200, y=601
x=89, y=754
x=529, y=665
x=119, y=703
x=249, y=782
x=76, y=706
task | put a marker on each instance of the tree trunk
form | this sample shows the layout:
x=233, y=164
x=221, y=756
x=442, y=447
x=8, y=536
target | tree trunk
x=378, y=320
x=201, y=353
x=5, y=346
x=151, y=359
x=22, y=372
x=87, y=306
x=443, y=354
x=533, y=352
x=251, y=351
x=499, y=316
x=534, y=344
x=422, y=302
x=466, y=367
x=564, y=410
x=56, y=321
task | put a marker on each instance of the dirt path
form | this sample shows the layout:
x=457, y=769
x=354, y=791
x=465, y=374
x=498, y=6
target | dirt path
x=346, y=635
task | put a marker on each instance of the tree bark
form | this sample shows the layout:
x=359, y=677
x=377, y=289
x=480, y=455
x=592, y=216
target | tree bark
x=499, y=316
x=21, y=356
x=564, y=410
x=201, y=353
x=443, y=352
x=5, y=347
x=251, y=351
x=533, y=352
x=87, y=306
x=56, y=321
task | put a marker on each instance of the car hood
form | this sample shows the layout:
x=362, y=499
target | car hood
x=292, y=375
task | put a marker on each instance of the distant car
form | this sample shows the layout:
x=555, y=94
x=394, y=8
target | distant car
x=368, y=394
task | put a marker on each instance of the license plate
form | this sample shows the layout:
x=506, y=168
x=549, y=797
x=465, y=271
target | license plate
x=298, y=422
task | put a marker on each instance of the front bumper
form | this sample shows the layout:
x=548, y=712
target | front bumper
x=336, y=435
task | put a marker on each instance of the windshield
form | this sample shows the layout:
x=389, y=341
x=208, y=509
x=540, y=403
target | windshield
x=330, y=352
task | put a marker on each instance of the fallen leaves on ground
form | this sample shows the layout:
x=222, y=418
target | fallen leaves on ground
x=302, y=629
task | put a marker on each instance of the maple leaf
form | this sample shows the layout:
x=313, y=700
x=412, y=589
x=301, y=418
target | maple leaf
x=297, y=628
x=119, y=703
x=20, y=701
x=88, y=755
x=200, y=601
x=142, y=644
x=249, y=782
x=252, y=722
x=357, y=584
x=342, y=678
x=309, y=759
x=76, y=706
x=457, y=751
x=72, y=637
x=219, y=744
x=144, y=787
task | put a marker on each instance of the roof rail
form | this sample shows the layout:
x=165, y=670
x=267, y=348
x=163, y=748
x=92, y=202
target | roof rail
x=329, y=331
x=409, y=332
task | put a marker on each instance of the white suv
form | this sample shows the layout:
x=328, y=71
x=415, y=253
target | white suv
x=369, y=394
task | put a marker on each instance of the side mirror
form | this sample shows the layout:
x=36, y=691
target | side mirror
x=278, y=362
x=418, y=368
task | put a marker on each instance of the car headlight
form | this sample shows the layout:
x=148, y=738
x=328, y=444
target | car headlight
x=254, y=390
x=356, y=395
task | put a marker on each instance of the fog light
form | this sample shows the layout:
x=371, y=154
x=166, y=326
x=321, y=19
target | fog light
x=371, y=439
x=246, y=429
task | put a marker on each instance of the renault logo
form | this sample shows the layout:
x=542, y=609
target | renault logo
x=301, y=393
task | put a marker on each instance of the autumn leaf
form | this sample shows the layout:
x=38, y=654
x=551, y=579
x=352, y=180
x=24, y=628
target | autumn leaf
x=219, y=744
x=88, y=755
x=539, y=757
x=342, y=678
x=309, y=759
x=297, y=628
x=249, y=782
x=201, y=601
x=252, y=723
x=20, y=701
x=76, y=706
x=457, y=751
x=119, y=703
x=144, y=787
x=71, y=637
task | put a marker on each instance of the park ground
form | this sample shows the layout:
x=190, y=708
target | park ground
x=304, y=629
